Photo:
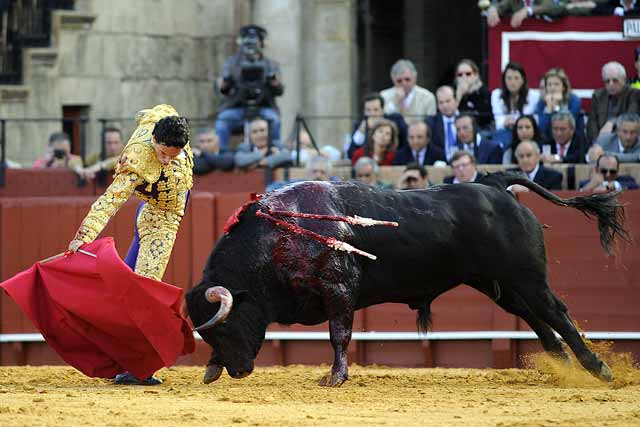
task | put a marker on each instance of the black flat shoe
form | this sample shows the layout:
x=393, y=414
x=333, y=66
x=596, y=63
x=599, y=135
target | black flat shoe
x=127, y=378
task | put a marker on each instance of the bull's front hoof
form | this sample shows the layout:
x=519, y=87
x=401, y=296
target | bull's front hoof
x=332, y=380
x=212, y=373
x=605, y=373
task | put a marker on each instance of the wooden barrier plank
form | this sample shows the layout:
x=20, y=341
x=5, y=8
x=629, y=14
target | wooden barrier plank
x=203, y=220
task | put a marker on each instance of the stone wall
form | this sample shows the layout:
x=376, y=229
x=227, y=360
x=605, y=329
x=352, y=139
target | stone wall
x=115, y=58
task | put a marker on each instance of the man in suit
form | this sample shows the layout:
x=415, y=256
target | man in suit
x=568, y=146
x=419, y=150
x=373, y=109
x=405, y=96
x=484, y=150
x=624, y=143
x=605, y=178
x=607, y=103
x=528, y=157
x=443, y=130
x=463, y=164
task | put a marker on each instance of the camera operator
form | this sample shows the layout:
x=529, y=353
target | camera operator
x=58, y=154
x=250, y=82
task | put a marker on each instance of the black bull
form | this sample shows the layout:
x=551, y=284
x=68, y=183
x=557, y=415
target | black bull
x=476, y=234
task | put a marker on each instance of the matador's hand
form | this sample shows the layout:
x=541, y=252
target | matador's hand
x=74, y=245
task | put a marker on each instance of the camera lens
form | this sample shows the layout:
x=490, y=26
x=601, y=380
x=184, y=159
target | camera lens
x=59, y=154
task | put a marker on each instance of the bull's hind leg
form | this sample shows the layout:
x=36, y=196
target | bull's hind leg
x=514, y=304
x=554, y=312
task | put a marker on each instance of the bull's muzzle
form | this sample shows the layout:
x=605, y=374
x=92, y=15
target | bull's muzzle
x=217, y=294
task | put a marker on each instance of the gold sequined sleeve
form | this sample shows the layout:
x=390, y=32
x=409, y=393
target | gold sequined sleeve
x=107, y=205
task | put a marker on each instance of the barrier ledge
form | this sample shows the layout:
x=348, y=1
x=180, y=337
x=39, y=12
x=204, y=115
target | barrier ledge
x=389, y=336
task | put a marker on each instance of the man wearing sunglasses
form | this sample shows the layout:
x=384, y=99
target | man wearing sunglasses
x=605, y=177
x=610, y=101
x=625, y=143
x=406, y=97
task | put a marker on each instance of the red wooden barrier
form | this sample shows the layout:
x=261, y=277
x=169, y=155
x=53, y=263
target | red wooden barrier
x=602, y=293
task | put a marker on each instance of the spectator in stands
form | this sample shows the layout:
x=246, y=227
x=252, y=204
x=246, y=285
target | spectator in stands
x=58, y=155
x=625, y=143
x=528, y=156
x=367, y=170
x=207, y=155
x=471, y=94
x=607, y=103
x=443, y=130
x=521, y=10
x=511, y=101
x=605, y=178
x=420, y=149
x=469, y=139
x=381, y=143
x=307, y=150
x=414, y=177
x=619, y=8
x=566, y=146
x=557, y=98
x=248, y=91
x=463, y=164
x=318, y=168
x=405, y=96
x=373, y=108
x=634, y=83
x=260, y=150
x=525, y=129
x=113, y=146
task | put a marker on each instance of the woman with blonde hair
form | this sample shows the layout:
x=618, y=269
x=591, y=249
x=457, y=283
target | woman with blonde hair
x=557, y=98
x=472, y=95
x=381, y=143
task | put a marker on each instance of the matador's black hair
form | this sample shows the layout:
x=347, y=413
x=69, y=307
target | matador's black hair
x=172, y=131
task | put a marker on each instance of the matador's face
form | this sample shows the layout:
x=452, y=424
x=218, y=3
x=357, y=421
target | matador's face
x=165, y=153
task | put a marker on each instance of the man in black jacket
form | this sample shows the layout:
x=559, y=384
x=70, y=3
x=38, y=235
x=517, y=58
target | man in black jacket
x=528, y=157
x=420, y=150
x=250, y=82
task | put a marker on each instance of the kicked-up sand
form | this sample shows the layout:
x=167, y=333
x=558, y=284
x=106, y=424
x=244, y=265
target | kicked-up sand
x=549, y=394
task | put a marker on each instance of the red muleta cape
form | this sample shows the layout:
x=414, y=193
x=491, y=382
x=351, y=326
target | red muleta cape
x=101, y=317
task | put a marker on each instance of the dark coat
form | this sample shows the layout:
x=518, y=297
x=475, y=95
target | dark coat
x=479, y=104
x=626, y=102
x=404, y=156
x=488, y=152
x=546, y=177
x=577, y=151
x=437, y=130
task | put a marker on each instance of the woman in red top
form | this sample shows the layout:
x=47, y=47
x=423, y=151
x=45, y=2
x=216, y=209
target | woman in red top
x=381, y=144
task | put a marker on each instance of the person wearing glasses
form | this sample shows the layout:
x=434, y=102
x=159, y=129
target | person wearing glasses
x=405, y=96
x=624, y=142
x=463, y=164
x=471, y=94
x=607, y=103
x=605, y=178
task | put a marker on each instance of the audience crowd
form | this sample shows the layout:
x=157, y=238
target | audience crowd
x=463, y=124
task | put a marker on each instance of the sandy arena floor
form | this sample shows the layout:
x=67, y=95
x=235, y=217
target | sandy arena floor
x=547, y=396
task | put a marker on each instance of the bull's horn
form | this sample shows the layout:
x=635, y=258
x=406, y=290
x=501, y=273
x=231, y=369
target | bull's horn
x=215, y=294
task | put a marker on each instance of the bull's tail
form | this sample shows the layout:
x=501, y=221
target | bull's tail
x=605, y=207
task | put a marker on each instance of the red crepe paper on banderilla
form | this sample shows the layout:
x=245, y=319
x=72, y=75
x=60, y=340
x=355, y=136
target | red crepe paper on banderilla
x=101, y=317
